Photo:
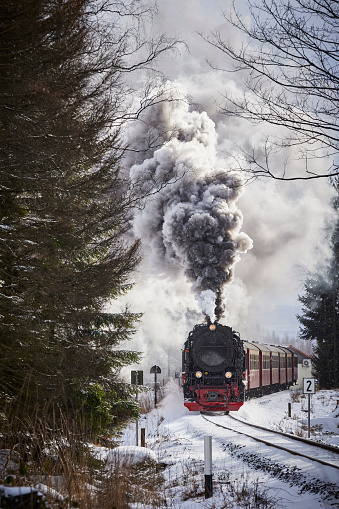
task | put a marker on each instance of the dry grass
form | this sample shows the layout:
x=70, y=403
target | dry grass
x=295, y=395
x=146, y=399
x=63, y=461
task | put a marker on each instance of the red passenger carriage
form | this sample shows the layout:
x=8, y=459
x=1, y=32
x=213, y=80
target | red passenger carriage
x=220, y=371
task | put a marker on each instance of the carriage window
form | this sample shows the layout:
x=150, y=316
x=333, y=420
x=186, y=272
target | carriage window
x=289, y=361
x=283, y=360
x=254, y=361
x=275, y=360
x=265, y=361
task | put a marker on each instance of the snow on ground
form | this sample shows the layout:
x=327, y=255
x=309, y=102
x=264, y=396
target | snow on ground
x=242, y=468
x=272, y=411
x=130, y=454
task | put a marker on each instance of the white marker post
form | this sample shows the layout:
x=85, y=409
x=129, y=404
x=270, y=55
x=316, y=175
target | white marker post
x=208, y=466
x=309, y=388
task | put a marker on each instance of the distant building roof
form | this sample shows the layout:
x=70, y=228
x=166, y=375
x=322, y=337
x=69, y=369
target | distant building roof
x=301, y=355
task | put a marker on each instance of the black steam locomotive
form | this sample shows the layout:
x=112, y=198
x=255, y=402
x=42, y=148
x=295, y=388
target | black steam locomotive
x=220, y=370
x=214, y=366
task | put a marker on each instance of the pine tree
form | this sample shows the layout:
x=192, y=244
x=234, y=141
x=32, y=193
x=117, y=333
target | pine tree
x=320, y=318
x=65, y=208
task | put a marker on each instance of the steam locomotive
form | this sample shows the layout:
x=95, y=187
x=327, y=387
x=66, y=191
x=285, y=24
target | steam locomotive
x=220, y=370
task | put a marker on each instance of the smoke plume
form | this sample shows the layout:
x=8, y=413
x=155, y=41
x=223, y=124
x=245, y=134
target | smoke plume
x=190, y=220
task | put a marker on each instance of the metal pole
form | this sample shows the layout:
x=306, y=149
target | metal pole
x=155, y=388
x=289, y=409
x=208, y=466
x=309, y=417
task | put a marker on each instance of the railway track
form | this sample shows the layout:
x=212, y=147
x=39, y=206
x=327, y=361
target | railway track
x=321, y=453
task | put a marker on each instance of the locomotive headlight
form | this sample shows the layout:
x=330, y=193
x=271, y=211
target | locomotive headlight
x=212, y=326
x=198, y=374
x=228, y=374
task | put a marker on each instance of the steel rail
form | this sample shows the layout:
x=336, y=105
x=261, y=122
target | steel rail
x=289, y=435
x=272, y=444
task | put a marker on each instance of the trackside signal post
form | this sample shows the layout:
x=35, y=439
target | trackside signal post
x=155, y=369
x=137, y=378
x=309, y=388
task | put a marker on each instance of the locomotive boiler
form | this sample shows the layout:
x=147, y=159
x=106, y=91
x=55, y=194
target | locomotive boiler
x=220, y=370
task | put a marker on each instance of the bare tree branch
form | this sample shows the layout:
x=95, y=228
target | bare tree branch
x=290, y=63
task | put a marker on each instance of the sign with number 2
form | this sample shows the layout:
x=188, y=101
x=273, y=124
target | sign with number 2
x=309, y=386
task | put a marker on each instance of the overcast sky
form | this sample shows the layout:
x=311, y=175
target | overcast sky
x=285, y=220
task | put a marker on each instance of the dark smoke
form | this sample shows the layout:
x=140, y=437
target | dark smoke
x=192, y=222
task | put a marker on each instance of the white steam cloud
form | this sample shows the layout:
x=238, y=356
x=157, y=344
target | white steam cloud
x=191, y=222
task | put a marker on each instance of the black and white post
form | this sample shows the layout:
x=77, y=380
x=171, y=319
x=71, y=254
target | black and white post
x=208, y=466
